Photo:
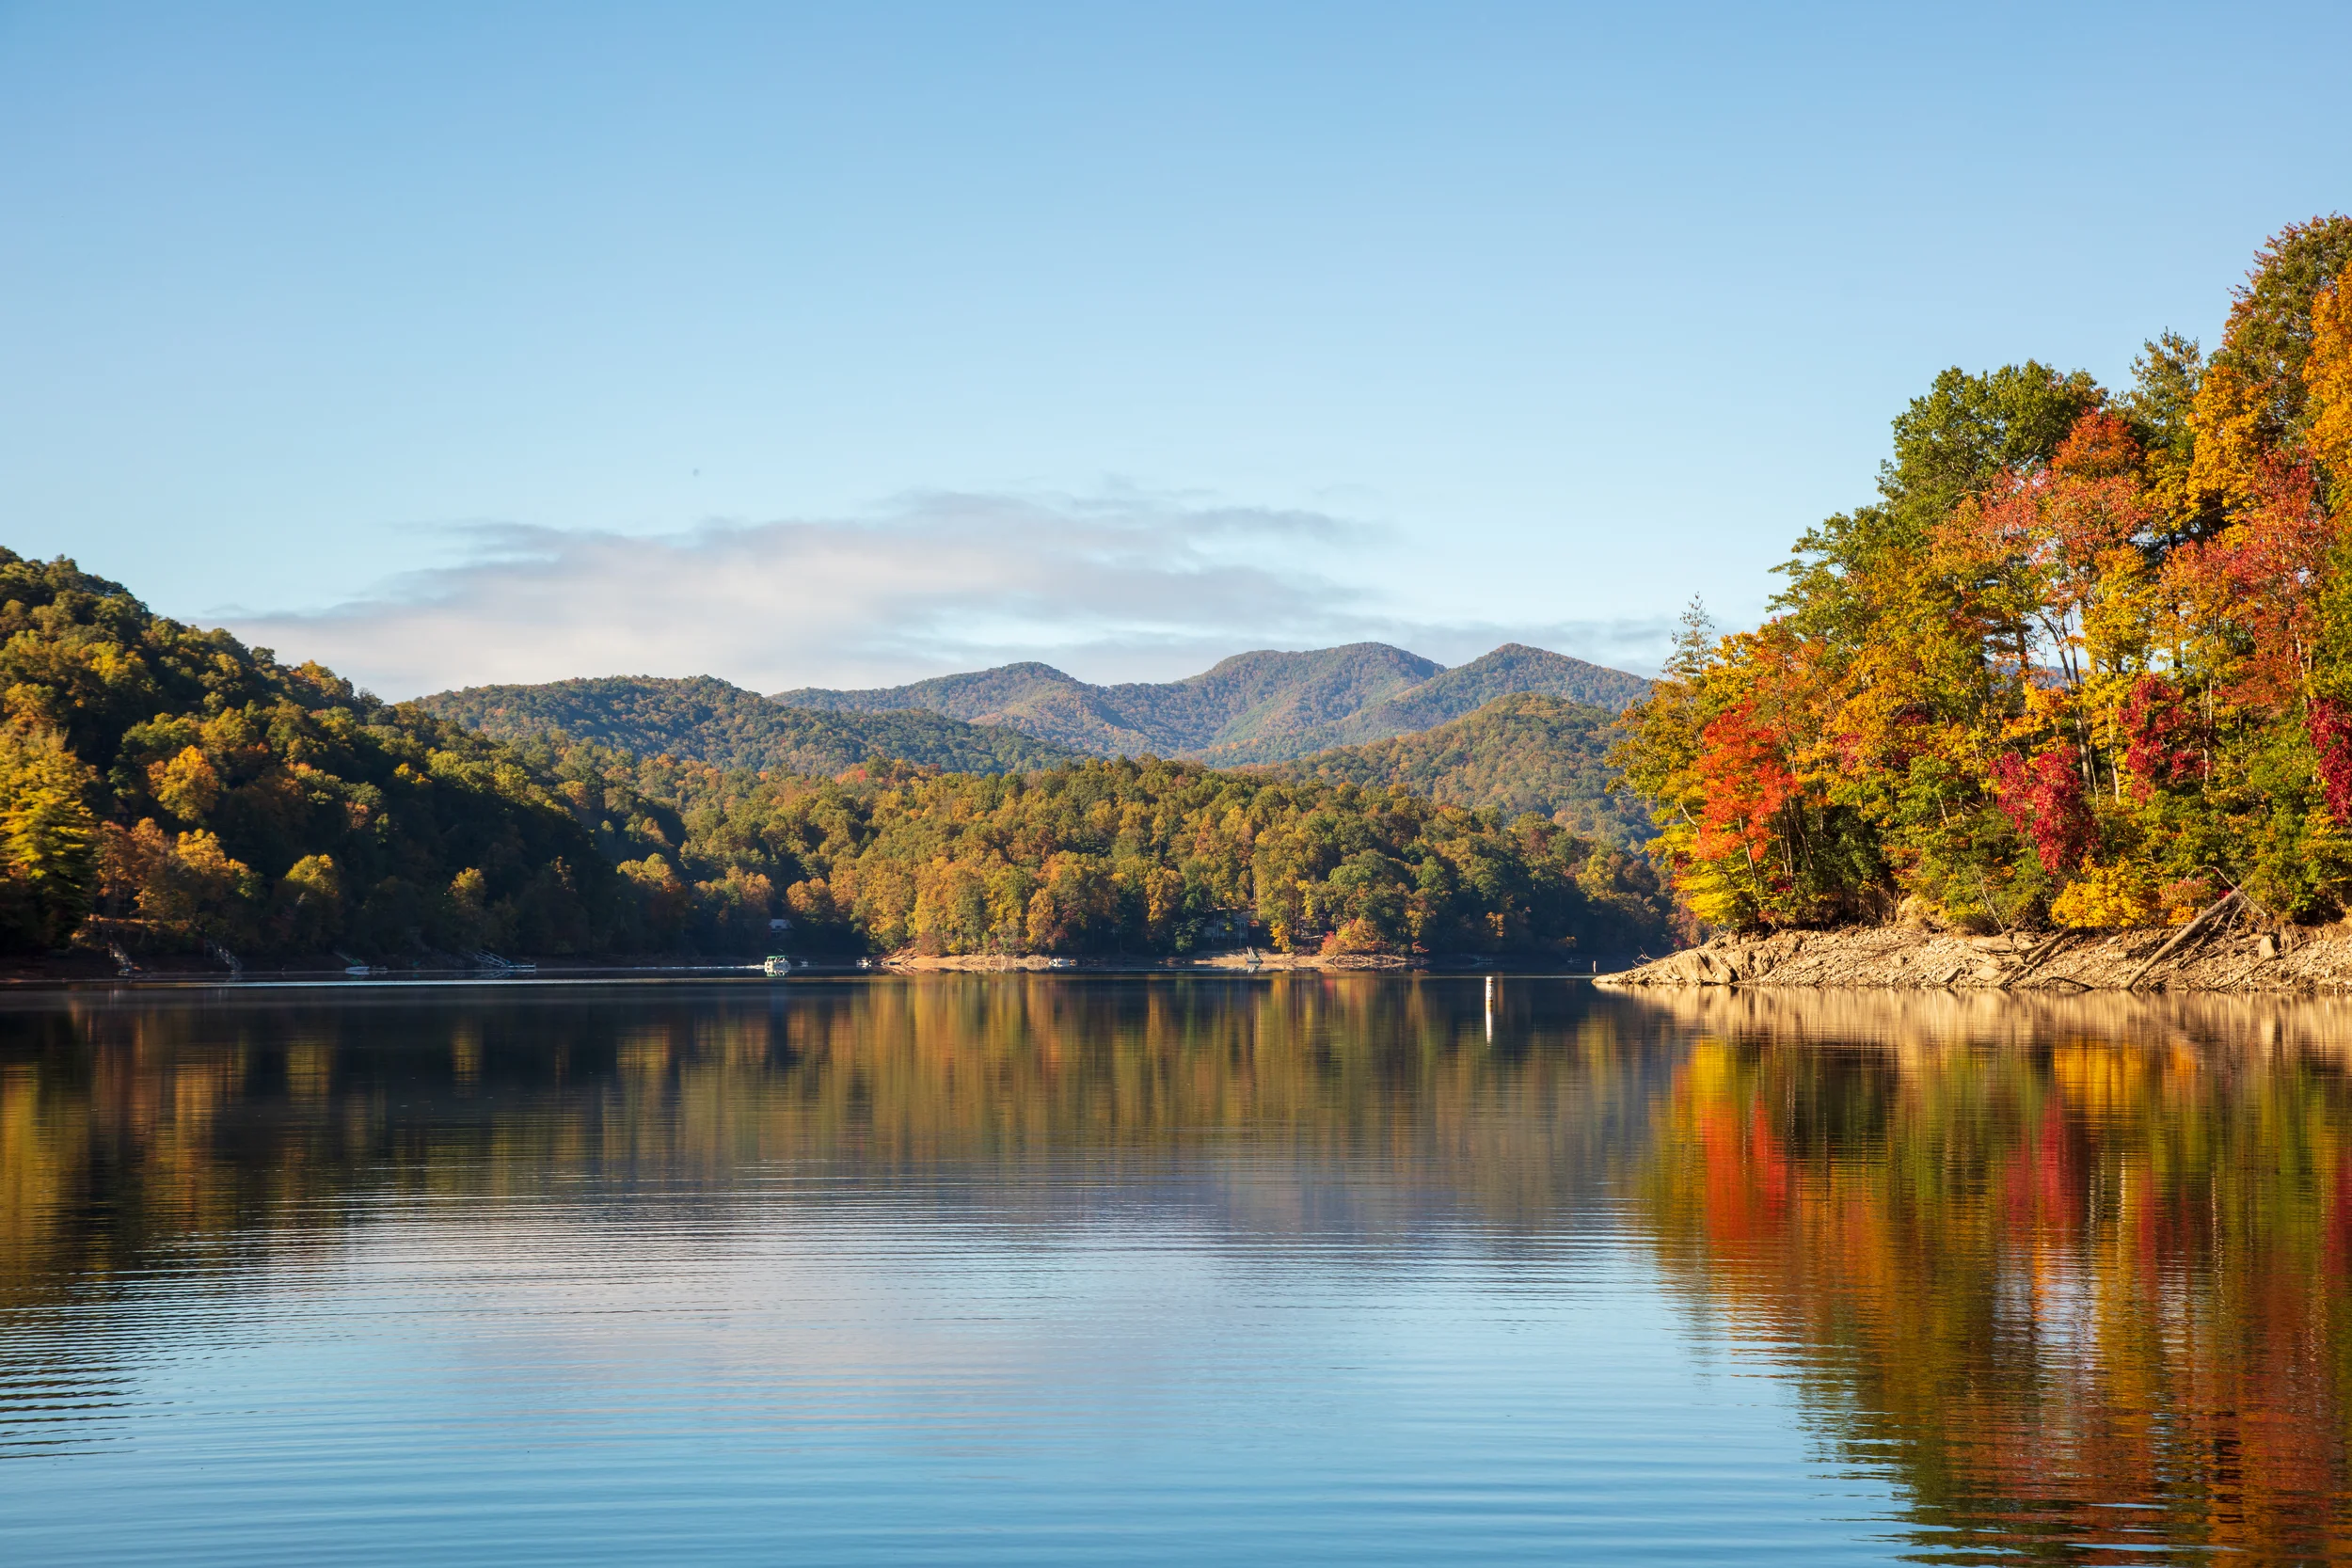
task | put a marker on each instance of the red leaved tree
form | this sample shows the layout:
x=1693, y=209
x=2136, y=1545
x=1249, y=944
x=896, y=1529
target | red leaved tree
x=2253, y=589
x=2164, y=737
x=1742, y=770
x=2044, y=800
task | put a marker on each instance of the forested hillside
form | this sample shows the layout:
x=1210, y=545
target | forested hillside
x=709, y=720
x=163, y=787
x=1521, y=754
x=179, y=786
x=1451, y=694
x=1108, y=856
x=1036, y=699
x=1513, y=668
x=1253, y=707
x=2086, y=660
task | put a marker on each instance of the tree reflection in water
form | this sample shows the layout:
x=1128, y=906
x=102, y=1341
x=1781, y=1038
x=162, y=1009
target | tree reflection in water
x=2073, y=1274
x=132, y=1129
x=2074, y=1271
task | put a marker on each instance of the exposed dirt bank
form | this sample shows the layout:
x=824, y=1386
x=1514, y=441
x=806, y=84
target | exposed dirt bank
x=2229, y=953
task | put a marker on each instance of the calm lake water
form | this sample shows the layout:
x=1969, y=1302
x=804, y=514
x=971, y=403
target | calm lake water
x=1298, y=1269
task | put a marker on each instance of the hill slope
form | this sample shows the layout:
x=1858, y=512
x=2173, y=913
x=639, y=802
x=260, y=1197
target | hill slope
x=1036, y=699
x=1514, y=667
x=1134, y=856
x=1523, y=752
x=1260, y=707
x=163, y=787
x=1448, y=696
x=709, y=720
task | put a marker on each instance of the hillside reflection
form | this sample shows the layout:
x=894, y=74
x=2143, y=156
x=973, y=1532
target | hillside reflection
x=2074, y=1271
x=1346, y=1107
x=2072, y=1274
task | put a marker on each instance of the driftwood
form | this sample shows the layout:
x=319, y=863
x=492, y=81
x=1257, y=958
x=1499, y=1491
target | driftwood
x=2183, y=937
x=2041, y=953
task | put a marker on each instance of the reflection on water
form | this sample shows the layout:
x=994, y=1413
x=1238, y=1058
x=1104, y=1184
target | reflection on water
x=2074, y=1271
x=1029, y=1268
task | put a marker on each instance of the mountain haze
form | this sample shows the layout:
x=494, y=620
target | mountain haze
x=706, y=720
x=1260, y=707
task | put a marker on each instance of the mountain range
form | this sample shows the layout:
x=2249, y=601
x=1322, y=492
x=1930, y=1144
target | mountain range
x=1263, y=706
x=707, y=720
x=1518, y=730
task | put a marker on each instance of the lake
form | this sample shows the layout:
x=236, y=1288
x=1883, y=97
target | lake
x=1039, y=1269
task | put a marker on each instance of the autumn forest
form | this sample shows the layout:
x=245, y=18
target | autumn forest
x=169, y=790
x=2086, y=661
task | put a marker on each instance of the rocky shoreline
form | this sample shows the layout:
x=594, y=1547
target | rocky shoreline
x=2223, y=950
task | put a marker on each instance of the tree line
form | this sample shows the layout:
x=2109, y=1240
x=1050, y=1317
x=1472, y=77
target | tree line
x=1134, y=856
x=2085, y=660
x=163, y=787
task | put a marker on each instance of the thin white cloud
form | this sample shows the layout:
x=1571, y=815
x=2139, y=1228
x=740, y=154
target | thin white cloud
x=1123, y=587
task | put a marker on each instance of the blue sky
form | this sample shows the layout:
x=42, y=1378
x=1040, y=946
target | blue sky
x=844, y=344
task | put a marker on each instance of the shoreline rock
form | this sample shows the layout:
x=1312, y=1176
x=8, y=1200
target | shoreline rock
x=2239, y=954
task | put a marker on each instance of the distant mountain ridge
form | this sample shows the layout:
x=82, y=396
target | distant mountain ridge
x=709, y=721
x=1260, y=707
